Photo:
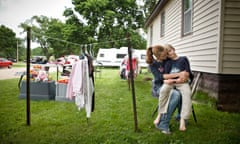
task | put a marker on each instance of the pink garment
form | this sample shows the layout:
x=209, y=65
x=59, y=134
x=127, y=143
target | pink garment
x=75, y=83
x=80, y=86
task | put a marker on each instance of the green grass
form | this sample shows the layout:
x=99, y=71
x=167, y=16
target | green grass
x=112, y=122
x=19, y=64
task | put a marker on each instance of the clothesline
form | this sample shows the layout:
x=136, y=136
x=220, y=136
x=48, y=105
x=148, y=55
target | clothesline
x=81, y=45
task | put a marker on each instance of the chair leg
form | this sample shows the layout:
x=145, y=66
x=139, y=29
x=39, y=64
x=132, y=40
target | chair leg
x=194, y=115
x=155, y=111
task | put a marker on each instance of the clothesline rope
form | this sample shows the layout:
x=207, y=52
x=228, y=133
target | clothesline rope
x=81, y=45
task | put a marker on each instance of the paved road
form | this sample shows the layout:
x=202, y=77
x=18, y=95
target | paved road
x=6, y=73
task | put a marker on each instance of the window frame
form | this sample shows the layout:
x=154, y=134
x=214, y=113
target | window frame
x=184, y=17
x=162, y=24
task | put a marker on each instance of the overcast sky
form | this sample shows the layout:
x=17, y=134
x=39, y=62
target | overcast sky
x=14, y=12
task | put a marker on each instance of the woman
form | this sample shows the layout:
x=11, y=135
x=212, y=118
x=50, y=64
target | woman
x=174, y=65
x=156, y=57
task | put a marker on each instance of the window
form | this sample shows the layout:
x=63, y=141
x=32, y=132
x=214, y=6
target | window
x=162, y=24
x=121, y=55
x=187, y=17
x=143, y=56
x=101, y=55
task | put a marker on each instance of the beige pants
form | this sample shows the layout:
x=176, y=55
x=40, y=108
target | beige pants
x=186, y=98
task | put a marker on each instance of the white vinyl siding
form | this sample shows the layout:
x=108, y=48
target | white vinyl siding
x=151, y=35
x=200, y=46
x=214, y=44
x=231, y=37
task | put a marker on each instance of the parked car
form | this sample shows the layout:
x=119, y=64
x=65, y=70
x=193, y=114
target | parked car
x=39, y=60
x=12, y=60
x=5, y=63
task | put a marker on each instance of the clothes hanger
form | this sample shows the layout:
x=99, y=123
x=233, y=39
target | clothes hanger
x=82, y=55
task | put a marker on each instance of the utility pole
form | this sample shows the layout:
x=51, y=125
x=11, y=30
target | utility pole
x=17, y=51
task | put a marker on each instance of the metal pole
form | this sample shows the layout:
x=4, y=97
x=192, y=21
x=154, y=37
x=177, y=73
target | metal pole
x=28, y=74
x=132, y=83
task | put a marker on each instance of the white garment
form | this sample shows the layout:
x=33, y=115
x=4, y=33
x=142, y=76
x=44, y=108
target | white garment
x=81, y=86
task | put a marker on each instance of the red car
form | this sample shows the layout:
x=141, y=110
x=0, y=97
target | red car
x=5, y=63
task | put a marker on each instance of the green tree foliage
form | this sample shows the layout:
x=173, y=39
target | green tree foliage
x=111, y=20
x=76, y=32
x=8, y=42
x=149, y=5
x=103, y=23
x=10, y=45
x=48, y=32
x=37, y=51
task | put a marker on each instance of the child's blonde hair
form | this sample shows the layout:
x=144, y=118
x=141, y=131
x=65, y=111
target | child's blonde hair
x=169, y=47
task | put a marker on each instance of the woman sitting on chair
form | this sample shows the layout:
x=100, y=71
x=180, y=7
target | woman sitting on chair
x=174, y=65
x=156, y=57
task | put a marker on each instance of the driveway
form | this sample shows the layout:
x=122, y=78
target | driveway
x=6, y=73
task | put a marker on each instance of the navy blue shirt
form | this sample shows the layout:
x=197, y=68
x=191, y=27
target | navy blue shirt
x=178, y=65
x=157, y=69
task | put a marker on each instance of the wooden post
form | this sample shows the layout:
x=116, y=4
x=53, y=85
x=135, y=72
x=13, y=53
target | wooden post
x=28, y=74
x=132, y=83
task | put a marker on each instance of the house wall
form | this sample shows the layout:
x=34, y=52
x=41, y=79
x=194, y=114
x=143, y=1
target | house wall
x=231, y=37
x=214, y=45
x=202, y=44
x=213, y=48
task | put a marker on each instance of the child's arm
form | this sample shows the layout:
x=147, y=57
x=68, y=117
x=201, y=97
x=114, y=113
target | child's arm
x=181, y=80
x=180, y=77
x=176, y=81
x=169, y=81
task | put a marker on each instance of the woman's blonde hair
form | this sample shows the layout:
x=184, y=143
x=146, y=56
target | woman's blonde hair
x=153, y=50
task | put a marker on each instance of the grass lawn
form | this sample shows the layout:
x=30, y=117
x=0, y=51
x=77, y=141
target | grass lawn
x=112, y=122
x=19, y=64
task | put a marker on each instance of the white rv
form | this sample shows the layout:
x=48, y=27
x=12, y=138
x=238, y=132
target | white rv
x=141, y=54
x=113, y=57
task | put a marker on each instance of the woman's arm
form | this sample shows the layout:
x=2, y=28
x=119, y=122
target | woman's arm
x=181, y=75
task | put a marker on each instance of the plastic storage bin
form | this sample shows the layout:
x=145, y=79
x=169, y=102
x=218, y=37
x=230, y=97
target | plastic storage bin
x=61, y=89
x=39, y=90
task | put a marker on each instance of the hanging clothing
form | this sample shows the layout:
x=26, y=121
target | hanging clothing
x=81, y=86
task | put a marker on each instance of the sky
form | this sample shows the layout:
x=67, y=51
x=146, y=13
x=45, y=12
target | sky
x=14, y=12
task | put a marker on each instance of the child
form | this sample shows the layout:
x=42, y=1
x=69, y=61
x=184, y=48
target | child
x=176, y=64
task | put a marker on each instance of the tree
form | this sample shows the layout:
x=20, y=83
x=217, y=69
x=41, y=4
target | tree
x=149, y=5
x=103, y=23
x=8, y=42
x=111, y=20
x=48, y=32
x=76, y=32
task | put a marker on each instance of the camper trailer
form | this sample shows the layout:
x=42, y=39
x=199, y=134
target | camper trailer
x=141, y=54
x=113, y=57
